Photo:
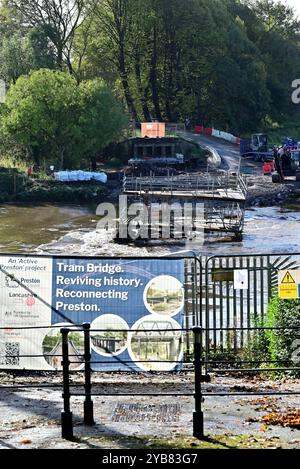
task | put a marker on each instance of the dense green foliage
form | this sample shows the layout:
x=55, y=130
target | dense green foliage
x=224, y=63
x=280, y=346
x=53, y=119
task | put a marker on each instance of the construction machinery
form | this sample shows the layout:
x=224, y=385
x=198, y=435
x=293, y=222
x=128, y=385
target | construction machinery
x=287, y=165
x=257, y=147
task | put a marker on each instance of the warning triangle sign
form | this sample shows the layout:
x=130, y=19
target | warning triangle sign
x=288, y=278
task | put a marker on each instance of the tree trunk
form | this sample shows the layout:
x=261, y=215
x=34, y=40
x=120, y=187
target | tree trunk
x=94, y=163
x=165, y=86
x=124, y=79
x=62, y=156
x=153, y=77
x=142, y=91
x=60, y=59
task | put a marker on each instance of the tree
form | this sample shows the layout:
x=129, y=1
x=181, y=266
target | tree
x=115, y=18
x=19, y=55
x=11, y=20
x=14, y=60
x=277, y=17
x=42, y=115
x=274, y=30
x=59, y=19
x=55, y=120
x=40, y=49
x=227, y=63
x=101, y=119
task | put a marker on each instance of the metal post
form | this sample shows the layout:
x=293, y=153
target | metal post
x=66, y=415
x=198, y=418
x=88, y=403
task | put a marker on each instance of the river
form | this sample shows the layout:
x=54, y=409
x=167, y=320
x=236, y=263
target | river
x=23, y=228
x=71, y=229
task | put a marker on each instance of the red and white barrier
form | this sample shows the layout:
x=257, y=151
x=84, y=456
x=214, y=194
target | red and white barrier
x=208, y=131
x=217, y=134
x=199, y=129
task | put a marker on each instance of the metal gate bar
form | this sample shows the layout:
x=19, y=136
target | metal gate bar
x=223, y=305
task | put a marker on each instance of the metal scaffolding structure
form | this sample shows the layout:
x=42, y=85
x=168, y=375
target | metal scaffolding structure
x=223, y=195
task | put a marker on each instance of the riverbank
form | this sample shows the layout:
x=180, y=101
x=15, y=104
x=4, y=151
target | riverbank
x=16, y=187
x=262, y=192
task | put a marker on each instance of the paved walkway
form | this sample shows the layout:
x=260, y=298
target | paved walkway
x=31, y=418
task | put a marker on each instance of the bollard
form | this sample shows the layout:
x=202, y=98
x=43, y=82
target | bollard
x=88, y=403
x=66, y=414
x=198, y=419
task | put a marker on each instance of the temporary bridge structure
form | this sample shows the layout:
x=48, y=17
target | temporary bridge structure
x=223, y=195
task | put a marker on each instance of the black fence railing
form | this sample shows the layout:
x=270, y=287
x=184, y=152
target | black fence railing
x=88, y=407
x=203, y=368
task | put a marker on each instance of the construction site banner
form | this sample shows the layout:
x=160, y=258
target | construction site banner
x=135, y=308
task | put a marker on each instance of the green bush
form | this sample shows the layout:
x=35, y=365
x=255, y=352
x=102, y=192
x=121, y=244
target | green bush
x=115, y=163
x=257, y=349
x=10, y=181
x=196, y=154
x=284, y=314
x=276, y=345
x=50, y=191
x=56, y=121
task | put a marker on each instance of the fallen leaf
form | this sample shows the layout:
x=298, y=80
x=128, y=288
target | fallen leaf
x=263, y=428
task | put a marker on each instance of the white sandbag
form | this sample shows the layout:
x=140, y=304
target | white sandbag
x=82, y=176
x=100, y=177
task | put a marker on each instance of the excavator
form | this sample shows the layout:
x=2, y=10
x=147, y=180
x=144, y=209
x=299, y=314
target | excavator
x=287, y=165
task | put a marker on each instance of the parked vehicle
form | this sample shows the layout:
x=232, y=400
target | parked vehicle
x=257, y=147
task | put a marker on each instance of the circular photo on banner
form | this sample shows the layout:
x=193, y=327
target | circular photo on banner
x=164, y=295
x=52, y=347
x=109, y=336
x=156, y=343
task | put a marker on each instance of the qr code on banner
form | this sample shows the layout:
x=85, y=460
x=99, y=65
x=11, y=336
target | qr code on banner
x=10, y=354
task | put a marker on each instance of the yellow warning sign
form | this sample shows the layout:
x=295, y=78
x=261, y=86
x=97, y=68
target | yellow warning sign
x=288, y=278
x=289, y=281
x=288, y=292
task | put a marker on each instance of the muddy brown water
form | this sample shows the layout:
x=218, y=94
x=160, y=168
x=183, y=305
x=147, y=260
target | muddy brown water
x=25, y=227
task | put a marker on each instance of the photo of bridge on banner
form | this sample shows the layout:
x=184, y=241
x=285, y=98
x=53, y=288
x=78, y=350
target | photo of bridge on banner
x=188, y=320
x=137, y=309
x=140, y=310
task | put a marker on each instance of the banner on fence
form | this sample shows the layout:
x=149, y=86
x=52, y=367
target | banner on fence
x=135, y=308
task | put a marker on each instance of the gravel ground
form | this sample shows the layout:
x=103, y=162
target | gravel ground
x=30, y=418
x=262, y=192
